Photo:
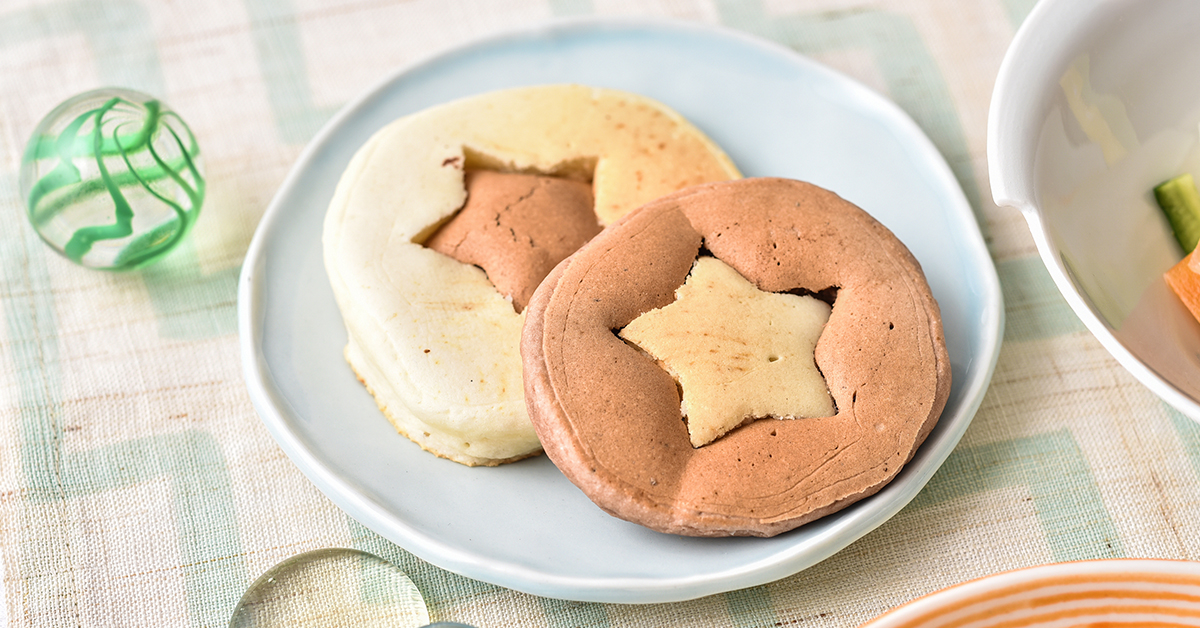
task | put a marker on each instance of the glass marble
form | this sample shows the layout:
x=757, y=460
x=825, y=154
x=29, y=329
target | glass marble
x=112, y=179
x=332, y=587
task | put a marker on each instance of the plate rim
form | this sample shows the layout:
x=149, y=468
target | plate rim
x=789, y=560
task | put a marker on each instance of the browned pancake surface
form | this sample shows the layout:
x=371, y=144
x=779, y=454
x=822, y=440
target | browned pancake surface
x=609, y=417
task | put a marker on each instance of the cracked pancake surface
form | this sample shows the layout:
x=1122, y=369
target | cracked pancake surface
x=609, y=416
x=517, y=227
x=430, y=336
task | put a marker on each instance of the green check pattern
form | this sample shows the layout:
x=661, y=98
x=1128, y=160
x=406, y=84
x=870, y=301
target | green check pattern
x=137, y=486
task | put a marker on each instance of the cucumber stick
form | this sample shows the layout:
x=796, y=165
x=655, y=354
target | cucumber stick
x=1180, y=201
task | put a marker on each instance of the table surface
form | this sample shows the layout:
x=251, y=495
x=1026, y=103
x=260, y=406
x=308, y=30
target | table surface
x=138, y=487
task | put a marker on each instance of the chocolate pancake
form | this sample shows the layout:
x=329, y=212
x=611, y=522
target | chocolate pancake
x=609, y=415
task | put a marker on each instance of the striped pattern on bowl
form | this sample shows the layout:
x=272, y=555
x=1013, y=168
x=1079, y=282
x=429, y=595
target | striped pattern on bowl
x=1109, y=593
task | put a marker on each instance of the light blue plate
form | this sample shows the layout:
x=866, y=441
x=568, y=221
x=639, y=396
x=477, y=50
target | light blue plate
x=524, y=526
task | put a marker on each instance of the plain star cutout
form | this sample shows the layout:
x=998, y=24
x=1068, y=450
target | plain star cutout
x=738, y=353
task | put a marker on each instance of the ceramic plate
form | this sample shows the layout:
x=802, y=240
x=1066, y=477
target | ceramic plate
x=1117, y=592
x=524, y=526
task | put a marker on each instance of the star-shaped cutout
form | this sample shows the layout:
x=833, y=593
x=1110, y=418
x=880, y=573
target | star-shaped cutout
x=517, y=227
x=737, y=352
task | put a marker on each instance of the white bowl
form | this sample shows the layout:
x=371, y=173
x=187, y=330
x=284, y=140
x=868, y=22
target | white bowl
x=1113, y=592
x=1098, y=101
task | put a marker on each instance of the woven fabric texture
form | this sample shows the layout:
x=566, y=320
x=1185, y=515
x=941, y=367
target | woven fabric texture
x=138, y=486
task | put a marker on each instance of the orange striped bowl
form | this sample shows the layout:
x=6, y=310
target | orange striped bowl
x=1110, y=593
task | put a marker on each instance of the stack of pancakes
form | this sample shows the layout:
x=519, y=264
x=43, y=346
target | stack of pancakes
x=486, y=257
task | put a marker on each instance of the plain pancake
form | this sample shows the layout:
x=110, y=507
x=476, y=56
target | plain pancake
x=433, y=339
x=609, y=416
x=738, y=353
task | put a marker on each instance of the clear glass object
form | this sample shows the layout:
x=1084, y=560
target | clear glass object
x=332, y=587
x=112, y=179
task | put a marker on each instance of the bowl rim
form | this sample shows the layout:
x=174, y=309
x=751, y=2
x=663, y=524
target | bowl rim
x=958, y=596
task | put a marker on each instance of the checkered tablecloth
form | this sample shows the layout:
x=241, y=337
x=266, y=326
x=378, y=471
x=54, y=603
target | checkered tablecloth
x=139, y=488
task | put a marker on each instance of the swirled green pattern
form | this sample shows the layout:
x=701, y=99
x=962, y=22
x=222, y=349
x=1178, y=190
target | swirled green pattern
x=112, y=179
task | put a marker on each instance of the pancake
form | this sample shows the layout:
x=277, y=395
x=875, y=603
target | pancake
x=609, y=414
x=430, y=335
x=517, y=228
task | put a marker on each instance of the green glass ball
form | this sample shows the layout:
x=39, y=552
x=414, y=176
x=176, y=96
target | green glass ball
x=112, y=179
